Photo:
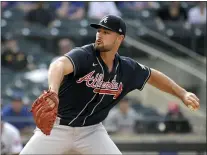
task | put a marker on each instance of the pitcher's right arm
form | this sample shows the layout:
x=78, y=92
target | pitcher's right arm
x=60, y=67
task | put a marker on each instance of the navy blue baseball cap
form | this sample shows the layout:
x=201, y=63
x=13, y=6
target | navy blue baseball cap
x=113, y=23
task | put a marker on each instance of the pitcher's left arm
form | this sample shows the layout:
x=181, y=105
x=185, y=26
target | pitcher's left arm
x=166, y=84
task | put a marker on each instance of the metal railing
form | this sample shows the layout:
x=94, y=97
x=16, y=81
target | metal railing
x=169, y=42
x=154, y=52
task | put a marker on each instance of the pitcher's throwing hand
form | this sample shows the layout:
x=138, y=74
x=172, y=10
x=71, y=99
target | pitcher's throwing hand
x=191, y=101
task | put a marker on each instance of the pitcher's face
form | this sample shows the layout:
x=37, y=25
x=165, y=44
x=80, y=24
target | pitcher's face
x=105, y=40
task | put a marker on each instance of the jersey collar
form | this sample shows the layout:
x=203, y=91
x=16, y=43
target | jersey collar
x=116, y=62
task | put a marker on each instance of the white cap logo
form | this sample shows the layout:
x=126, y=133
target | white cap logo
x=104, y=19
x=120, y=30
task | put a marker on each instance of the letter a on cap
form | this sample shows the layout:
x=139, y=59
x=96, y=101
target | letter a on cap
x=104, y=19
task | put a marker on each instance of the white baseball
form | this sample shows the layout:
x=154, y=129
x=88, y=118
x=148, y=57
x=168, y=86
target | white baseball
x=191, y=107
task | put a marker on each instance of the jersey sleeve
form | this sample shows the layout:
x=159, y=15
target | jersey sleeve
x=79, y=58
x=142, y=74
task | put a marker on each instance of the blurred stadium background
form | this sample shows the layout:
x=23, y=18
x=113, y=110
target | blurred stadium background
x=168, y=36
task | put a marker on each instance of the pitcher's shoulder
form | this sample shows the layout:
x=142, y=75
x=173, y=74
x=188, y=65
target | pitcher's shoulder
x=86, y=51
x=88, y=48
x=127, y=61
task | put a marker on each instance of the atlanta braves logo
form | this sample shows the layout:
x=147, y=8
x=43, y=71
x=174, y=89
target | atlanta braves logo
x=100, y=86
x=104, y=20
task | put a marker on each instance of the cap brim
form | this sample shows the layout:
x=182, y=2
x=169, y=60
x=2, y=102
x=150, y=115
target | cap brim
x=96, y=26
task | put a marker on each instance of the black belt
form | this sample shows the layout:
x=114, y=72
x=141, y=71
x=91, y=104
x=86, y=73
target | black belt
x=64, y=122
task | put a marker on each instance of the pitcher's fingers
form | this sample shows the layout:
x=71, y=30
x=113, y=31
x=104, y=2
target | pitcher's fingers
x=52, y=104
x=48, y=100
x=190, y=102
x=196, y=103
x=195, y=97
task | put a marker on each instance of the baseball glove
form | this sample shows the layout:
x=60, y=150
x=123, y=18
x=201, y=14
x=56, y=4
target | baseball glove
x=44, y=115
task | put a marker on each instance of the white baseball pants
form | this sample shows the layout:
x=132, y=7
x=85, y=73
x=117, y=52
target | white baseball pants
x=63, y=139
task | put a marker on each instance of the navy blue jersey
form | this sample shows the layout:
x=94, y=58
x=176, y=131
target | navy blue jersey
x=87, y=95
